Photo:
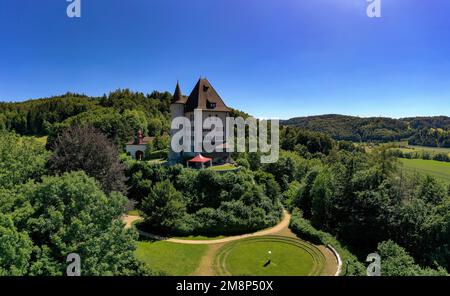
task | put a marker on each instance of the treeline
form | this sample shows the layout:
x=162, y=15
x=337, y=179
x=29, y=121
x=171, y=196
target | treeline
x=352, y=128
x=118, y=115
x=432, y=137
x=422, y=155
x=424, y=131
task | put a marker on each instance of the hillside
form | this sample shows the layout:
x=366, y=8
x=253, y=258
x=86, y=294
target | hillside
x=421, y=130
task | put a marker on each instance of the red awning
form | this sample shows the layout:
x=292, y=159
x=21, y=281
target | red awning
x=200, y=158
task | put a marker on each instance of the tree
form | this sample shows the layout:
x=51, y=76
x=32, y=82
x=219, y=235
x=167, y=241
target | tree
x=15, y=248
x=395, y=261
x=164, y=207
x=432, y=191
x=72, y=215
x=85, y=148
x=321, y=194
x=21, y=159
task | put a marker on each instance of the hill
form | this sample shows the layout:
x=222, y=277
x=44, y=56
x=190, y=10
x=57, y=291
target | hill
x=427, y=131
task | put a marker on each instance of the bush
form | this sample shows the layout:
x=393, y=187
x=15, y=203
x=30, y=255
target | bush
x=159, y=154
x=185, y=201
x=395, y=261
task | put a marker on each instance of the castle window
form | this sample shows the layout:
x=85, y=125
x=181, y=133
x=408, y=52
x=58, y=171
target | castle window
x=210, y=105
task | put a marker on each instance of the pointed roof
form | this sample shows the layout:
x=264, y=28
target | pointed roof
x=204, y=97
x=200, y=158
x=178, y=98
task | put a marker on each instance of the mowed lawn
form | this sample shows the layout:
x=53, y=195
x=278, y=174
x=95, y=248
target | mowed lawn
x=438, y=169
x=252, y=259
x=170, y=258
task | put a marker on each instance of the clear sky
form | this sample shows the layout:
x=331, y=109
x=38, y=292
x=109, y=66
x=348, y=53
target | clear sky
x=270, y=58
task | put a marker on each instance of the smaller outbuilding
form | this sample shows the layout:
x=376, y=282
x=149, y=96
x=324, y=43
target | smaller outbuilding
x=136, y=148
x=199, y=161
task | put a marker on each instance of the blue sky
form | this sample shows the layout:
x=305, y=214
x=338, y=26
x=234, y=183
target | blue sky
x=270, y=58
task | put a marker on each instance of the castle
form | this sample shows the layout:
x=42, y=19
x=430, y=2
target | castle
x=205, y=98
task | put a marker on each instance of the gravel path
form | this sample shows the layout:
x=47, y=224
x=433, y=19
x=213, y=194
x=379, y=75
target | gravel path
x=128, y=220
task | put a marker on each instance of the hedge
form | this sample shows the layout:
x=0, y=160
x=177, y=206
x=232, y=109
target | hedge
x=159, y=154
x=305, y=230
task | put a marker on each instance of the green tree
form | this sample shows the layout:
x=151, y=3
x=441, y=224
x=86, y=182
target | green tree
x=395, y=261
x=72, y=215
x=164, y=207
x=321, y=196
x=15, y=248
x=21, y=159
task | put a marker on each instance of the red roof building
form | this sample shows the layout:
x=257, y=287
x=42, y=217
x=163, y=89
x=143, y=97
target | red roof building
x=200, y=159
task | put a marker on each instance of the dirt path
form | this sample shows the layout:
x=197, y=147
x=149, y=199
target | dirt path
x=206, y=265
x=273, y=230
x=128, y=220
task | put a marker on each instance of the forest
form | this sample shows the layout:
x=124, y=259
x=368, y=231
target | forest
x=65, y=196
x=423, y=131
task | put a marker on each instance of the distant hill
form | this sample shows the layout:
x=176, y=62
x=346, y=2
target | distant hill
x=380, y=129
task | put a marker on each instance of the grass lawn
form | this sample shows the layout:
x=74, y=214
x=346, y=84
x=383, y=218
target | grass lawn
x=134, y=213
x=223, y=167
x=170, y=258
x=157, y=161
x=289, y=257
x=200, y=237
x=42, y=140
x=438, y=169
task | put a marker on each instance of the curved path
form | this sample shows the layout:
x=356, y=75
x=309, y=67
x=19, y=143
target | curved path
x=284, y=223
x=333, y=267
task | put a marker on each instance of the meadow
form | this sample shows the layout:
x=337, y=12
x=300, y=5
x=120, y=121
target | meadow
x=438, y=169
x=431, y=150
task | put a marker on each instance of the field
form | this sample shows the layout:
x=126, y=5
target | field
x=223, y=167
x=170, y=258
x=432, y=150
x=251, y=256
x=438, y=169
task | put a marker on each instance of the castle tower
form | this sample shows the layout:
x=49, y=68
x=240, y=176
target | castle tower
x=176, y=110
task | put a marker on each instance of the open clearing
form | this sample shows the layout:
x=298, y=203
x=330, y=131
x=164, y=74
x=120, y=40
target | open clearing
x=438, y=169
x=251, y=256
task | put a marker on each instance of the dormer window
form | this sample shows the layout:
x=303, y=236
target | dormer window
x=210, y=105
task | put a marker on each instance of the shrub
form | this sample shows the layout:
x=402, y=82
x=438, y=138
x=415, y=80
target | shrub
x=159, y=154
x=305, y=230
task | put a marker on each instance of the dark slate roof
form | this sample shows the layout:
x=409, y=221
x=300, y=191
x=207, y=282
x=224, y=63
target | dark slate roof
x=204, y=96
x=178, y=98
